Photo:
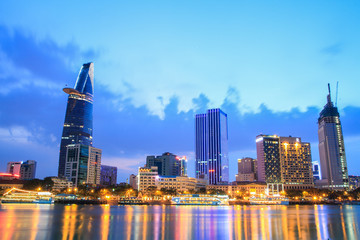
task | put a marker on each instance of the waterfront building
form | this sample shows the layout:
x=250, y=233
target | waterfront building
x=14, y=168
x=147, y=177
x=316, y=170
x=284, y=162
x=8, y=182
x=8, y=176
x=333, y=166
x=354, y=182
x=82, y=164
x=247, y=169
x=211, y=146
x=296, y=163
x=237, y=188
x=78, y=124
x=28, y=170
x=180, y=183
x=133, y=181
x=61, y=184
x=108, y=175
x=167, y=164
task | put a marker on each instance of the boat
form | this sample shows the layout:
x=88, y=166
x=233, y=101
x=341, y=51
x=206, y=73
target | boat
x=269, y=200
x=198, y=199
x=16, y=195
x=132, y=201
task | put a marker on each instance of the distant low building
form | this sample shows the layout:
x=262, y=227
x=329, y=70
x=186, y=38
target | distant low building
x=233, y=189
x=108, y=175
x=15, y=183
x=247, y=168
x=149, y=177
x=133, y=181
x=354, y=182
x=28, y=170
x=14, y=168
x=316, y=170
x=61, y=183
x=180, y=183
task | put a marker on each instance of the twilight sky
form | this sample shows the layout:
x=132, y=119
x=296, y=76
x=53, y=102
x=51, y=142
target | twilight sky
x=158, y=63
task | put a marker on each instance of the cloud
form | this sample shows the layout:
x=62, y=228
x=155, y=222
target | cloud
x=333, y=50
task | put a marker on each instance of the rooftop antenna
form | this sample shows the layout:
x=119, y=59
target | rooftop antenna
x=329, y=96
x=337, y=86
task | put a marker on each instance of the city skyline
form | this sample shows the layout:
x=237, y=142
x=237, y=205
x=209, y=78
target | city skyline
x=267, y=71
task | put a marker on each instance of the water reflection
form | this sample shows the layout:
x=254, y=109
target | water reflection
x=178, y=222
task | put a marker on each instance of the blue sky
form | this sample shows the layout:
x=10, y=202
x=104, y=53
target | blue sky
x=158, y=63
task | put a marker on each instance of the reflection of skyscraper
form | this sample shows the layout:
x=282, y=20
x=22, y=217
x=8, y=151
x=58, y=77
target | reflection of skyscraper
x=78, y=124
x=211, y=146
x=333, y=165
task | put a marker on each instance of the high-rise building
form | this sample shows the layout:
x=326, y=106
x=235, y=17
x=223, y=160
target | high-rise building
x=247, y=169
x=333, y=166
x=108, y=175
x=28, y=170
x=78, y=124
x=296, y=163
x=284, y=162
x=211, y=146
x=83, y=164
x=168, y=164
x=268, y=159
x=14, y=168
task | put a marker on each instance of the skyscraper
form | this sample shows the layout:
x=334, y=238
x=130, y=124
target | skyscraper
x=268, y=159
x=78, y=124
x=211, y=146
x=333, y=166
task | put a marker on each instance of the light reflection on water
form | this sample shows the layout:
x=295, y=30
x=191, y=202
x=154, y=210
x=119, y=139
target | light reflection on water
x=178, y=222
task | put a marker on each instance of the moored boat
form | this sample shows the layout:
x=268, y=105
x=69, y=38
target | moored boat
x=15, y=195
x=197, y=199
x=269, y=200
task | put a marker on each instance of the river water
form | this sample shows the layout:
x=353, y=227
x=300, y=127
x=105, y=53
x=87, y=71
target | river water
x=19, y=221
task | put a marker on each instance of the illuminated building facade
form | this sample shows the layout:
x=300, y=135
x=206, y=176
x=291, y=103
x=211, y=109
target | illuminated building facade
x=147, y=177
x=78, y=124
x=296, y=163
x=211, y=146
x=83, y=164
x=284, y=162
x=247, y=170
x=333, y=166
x=108, y=175
x=268, y=159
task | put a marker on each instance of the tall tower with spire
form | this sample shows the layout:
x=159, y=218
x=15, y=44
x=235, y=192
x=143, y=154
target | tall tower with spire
x=333, y=164
x=78, y=124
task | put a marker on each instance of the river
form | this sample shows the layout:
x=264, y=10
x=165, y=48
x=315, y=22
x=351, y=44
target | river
x=19, y=221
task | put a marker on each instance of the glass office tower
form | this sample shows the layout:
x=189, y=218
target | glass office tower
x=78, y=124
x=211, y=143
x=334, y=172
